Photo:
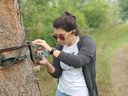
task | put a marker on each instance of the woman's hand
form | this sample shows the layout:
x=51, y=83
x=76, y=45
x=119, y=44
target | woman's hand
x=42, y=43
x=48, y=65
x=44, y=61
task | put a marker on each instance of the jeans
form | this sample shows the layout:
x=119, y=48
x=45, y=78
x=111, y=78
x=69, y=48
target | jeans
x=59, y=93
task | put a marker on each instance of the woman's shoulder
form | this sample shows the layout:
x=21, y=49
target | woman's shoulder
x=85, y=41
x=85, y=38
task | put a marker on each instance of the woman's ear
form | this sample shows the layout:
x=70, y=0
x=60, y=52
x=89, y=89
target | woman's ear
x=74, y=32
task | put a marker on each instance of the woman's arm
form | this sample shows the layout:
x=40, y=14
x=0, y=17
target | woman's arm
x=86, y=53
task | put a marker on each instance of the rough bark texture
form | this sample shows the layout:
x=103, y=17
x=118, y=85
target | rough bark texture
x=18, y=80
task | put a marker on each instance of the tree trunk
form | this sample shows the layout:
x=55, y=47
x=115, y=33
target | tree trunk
x=19, y=79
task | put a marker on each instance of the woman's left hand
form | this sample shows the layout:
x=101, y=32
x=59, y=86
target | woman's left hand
x=42, y=43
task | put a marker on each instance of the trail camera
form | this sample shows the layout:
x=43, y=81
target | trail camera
x=36, y=53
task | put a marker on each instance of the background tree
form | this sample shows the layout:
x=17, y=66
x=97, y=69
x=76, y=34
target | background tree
x=123, y=4
x=95, y=13
x=19, y=79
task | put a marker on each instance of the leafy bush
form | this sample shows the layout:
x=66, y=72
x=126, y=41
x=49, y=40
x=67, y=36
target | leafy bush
x=95, y=13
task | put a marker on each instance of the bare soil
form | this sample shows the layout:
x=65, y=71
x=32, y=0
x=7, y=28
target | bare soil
x=120, y=72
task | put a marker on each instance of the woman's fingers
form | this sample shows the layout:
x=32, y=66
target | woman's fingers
x=44, y=61
x=41, y=43
x=38, y=41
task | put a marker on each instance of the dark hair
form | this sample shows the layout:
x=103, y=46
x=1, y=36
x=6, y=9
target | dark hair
x=67, y=21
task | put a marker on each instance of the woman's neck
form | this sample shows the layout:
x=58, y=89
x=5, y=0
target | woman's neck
x=73, y=41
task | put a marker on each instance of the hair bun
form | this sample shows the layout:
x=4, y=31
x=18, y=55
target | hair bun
x=69, y=14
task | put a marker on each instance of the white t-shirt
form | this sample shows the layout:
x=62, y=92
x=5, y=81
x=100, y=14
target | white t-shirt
x=72, y=80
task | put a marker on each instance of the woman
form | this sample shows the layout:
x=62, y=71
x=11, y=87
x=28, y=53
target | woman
x=74, y=59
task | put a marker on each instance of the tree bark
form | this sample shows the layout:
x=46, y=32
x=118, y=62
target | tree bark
x=19, y=79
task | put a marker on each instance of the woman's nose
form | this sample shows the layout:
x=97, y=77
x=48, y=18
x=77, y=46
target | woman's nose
x=58, y=40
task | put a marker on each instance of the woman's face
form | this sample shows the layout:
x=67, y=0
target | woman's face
x=63, y=37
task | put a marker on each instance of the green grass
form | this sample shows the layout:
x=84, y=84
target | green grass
x=107, y=41
x=47, y=82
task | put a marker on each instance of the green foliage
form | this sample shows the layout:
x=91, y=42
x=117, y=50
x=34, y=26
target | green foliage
x=124, y=9
x=95, y=13
x=37, y=21
x=39, y=15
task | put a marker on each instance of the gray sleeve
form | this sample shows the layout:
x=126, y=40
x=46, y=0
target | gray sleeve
x=86, y=52
x=58, y=69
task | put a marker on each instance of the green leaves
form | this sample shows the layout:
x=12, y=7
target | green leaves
x=124, y=9
x=38, y=16
x=95, y=13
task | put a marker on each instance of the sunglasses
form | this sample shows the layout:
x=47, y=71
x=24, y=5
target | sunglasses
x=61, y=36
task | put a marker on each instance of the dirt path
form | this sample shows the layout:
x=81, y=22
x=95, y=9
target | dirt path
x=120, y=72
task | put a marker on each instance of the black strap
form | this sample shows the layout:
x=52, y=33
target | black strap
x=52, y=51
x=31, y=50
x=12, y=48
x=9, y=61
